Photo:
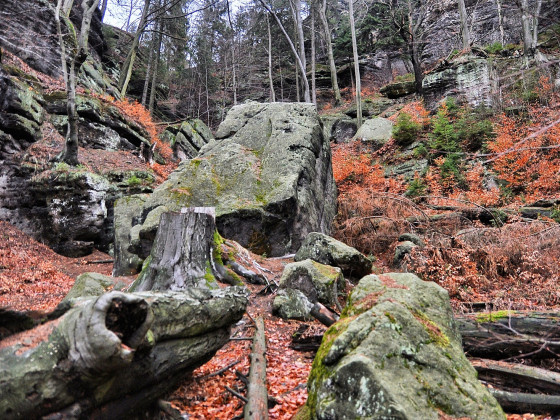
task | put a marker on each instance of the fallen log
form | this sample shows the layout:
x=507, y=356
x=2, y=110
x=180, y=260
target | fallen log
x=517, y=378
x=322, y=314
x=257, y=394
x=509, y=334
x=115, y=354
x=517, y=402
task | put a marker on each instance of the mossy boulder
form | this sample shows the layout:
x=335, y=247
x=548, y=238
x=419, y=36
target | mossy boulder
x=92, y=284
x=326, y=250
x=375, y=132
x=187, y=138
x=339, y=128
x=396, y=353
x=318, y=282
x=268, y=174
x=402, y=250
x=292, y=304
x=398, y=89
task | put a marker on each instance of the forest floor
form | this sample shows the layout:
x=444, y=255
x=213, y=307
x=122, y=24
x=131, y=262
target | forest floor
x=34, y=279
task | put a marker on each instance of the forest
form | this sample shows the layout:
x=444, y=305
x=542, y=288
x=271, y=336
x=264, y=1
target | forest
x=215, y=209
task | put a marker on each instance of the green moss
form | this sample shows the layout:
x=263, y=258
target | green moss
x=493, y=316
x=319, y=372
x=433, y=330
x=217, y=249
x=196, y=163
x=304, y=413
x=209, y=277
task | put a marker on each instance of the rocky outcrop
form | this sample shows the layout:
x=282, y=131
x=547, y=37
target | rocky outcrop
x=268, y=174
x=396, y=353
x=339, y=128
x=470, y=79
x=329, y=251
x=187, y=138
x=28, y=30
x=398, y=89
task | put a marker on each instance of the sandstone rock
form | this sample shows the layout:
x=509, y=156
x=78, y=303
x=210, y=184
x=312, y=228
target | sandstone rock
x=339, y=128
x=376, y=132
x=318, y=282
x=268, y=175
x=188, y=138
x=92, y=284
x=398, y=89
x=468, y=78
x=396, y=353
x=370, y=107
x=402, y=249
x=411, y=237
x=126, y=209
x=326, y=250
x=292, y=304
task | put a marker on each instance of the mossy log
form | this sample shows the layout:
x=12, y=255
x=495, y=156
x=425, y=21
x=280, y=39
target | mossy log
x=115, y=354
x=503, y=334
x=184, y=253
x=257, y=394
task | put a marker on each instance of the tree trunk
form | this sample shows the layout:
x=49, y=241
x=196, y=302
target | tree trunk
x=313, y=81
x=356, y=64
x=257, y=395
x=79, y=55
x=322, y=314
x=153, y=89
x=526, y=27
x=111, y=356
x=270, y=81
x=103, y=9
x=500, y=21
x=328, y=42
x=184, y=253
x=511, y=334
x=517, y=402
x=126, y=69
x=464, y=24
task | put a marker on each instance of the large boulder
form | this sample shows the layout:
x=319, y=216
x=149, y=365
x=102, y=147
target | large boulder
x=339, y=128
x=396, y=353
x=375, y=132
x=318, y=282
x=268, y=175
x=326, y=250
x=292, y=304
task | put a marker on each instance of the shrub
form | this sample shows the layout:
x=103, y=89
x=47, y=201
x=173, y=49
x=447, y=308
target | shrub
x=405, y=130
x=443, y=138
x=416, y=188
x=494, y=48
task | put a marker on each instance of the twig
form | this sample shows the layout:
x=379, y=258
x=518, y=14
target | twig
x=219, y=372
x=100, y=262
x=240, y=338
x=236, y=394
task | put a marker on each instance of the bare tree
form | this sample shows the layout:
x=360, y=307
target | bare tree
x=330, y=54
x=270, y=81
x=529, y=25
x=356, y=63
x=465, y=36
x=76, y=55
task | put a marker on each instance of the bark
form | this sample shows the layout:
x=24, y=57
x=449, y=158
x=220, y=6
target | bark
x=500, y=21
x=330, y=54
x=511, y=334
x=526, y=27
x=115, y=354
x=233, y=60
x=155, y=65
x=323, y=314
x=465, y=36
x=257, y=395
x=183, y=254
x=516, y=402
x=356, y=64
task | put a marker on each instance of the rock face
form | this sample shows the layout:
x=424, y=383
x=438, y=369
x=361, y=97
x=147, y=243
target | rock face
x=187, y=138
x=28, y=30
x=326, y=250
x=469, y=78
x=269, y=176
x=398, y=89
x=339, y=128
x=396, y=353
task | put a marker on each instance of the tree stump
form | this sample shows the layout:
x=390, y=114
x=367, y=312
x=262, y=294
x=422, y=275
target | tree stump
x=185, y=253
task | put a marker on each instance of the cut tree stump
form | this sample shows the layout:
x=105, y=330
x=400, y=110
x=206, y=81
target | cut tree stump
x=322, y=314
x=183, y=254
x=257, y=394
x=114, y=355
x=505, y=334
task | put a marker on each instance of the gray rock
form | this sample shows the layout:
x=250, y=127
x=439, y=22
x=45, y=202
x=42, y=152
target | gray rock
x=370, y=107
x=411, y=237
x=268, y=175
x=188, y=138
x=126, y=210
x=402, y=249
x=396, y=353
x=326, y=250
x=376, y=131
x=90, y=284
x=318, y=282
x=339, y=128
x=535, y=212
x=292, y=304
x=398, y=89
